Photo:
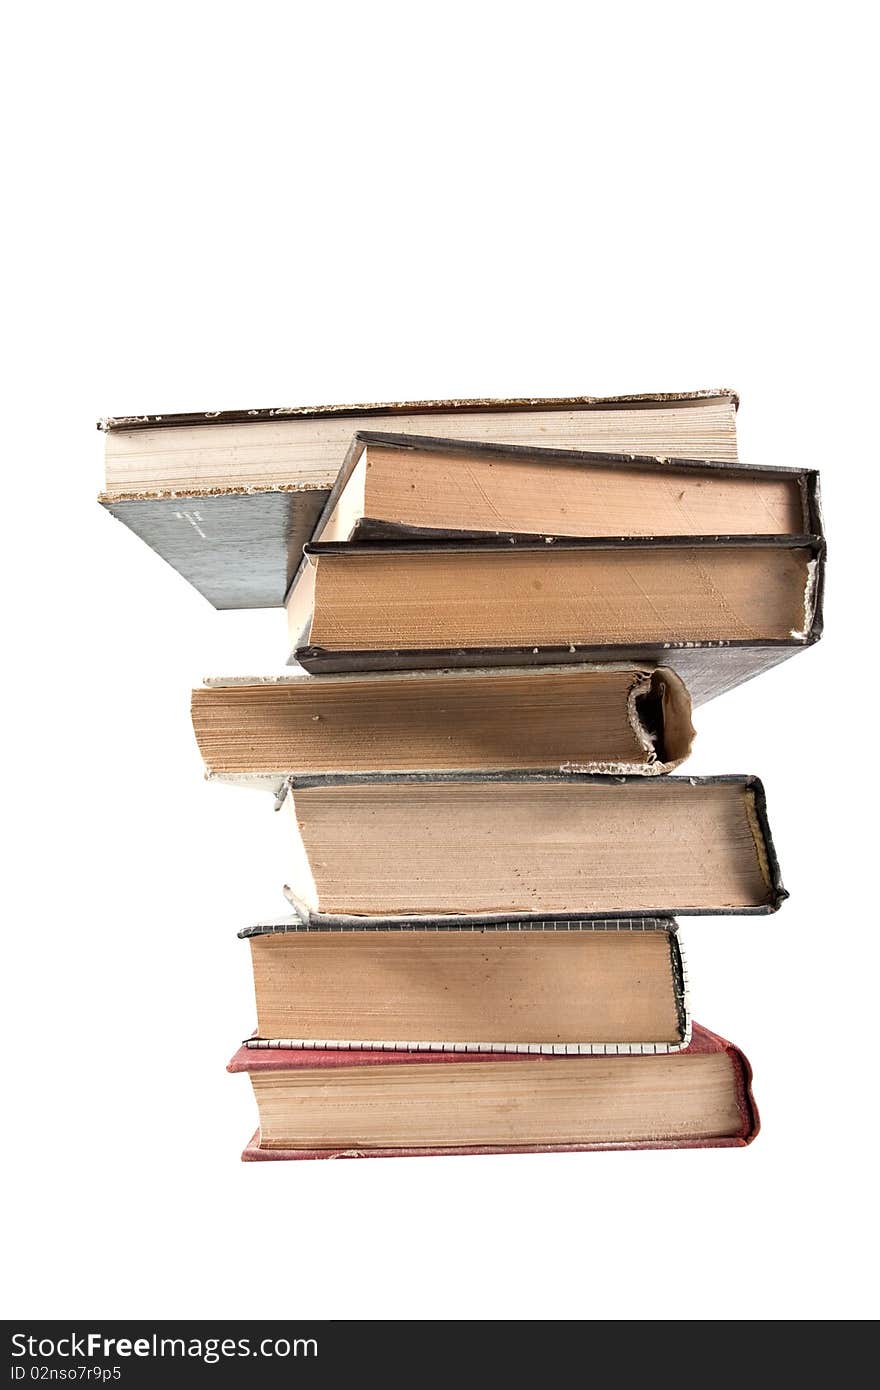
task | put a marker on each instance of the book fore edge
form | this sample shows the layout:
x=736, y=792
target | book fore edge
x=680, y=981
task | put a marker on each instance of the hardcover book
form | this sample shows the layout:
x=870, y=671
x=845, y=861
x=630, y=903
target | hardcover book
x=530, y=845
x=331, y=1104
x=229, y=498
x=570, y=718
x=716, y=610
x=394, y=486
x=578, y=988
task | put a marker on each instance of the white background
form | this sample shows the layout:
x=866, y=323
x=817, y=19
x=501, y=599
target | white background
x=224, y=206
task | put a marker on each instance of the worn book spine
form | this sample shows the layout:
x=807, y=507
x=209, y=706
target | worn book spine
x=702, y=1040
x=657, y=708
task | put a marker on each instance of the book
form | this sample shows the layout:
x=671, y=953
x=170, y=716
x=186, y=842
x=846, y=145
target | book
x=576, y=718
x=532, y=845
x=229, y=498
x=331, y=1104
x=564, y=987
x=394, y=486
x=717, y=611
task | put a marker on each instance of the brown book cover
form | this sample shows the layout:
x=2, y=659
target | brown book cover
x=483, y=405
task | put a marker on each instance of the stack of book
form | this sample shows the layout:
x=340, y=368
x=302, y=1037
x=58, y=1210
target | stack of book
x=504, y=612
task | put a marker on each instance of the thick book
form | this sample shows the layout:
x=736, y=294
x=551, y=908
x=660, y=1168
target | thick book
x=399, y=486
x=577, y=988
x=718, y=610
x=531, y=845
x=573, y=718
x=229, y=498
x=331, y=1104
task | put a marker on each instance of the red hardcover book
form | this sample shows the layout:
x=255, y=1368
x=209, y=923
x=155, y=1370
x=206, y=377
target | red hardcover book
x=316, y=1103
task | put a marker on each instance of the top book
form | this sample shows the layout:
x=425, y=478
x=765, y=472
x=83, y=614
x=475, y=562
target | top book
x=229, y=498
